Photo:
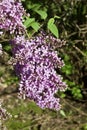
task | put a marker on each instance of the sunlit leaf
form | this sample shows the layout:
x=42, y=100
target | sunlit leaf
x=52, y=27
x=62, y=113
x=42, y=13
x=35, y=26
x=28, y=22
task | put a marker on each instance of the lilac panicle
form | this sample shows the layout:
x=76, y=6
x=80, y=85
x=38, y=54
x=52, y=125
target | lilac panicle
x=11, y=12
x=35, y=60
x=35, y=64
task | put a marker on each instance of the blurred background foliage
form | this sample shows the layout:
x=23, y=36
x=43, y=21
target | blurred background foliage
x=65, y=19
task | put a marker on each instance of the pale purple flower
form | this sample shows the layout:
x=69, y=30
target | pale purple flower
x=11, y=13
x=35, y=64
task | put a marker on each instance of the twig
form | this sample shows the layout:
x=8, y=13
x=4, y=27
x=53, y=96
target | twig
x=81, y=112
x=79, y=51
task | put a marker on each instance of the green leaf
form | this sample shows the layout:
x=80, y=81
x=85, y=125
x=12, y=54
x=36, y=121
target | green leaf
x=52, y=27
x=51, y=21
x=42, y=13
x=54, y=30
x=35, y=26
x=63, y=95
x=62, y=113
x=7, y=48
x=66, y=57
x=28, y=22
x=57, y=17
x=85, y=126
x=36, y=8
x=33, y=6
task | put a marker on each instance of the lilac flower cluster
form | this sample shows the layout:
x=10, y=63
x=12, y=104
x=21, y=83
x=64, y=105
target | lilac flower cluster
x=11, y=12
x=35, y=60
x=35, y=64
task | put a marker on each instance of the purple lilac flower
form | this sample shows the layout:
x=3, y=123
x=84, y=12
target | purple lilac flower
x=11, y=12
x=35, y=64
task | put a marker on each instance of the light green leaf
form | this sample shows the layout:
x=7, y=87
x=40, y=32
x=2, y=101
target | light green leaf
x=51, y=21
x=52, y=27
x=33, y=6
x=62, y=113
x=42, y=13
x=35, y=26
x=57, y=17
x=28, y=22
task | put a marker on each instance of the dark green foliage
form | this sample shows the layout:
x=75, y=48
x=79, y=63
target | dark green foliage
x=39, y=18
x=72, y=27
